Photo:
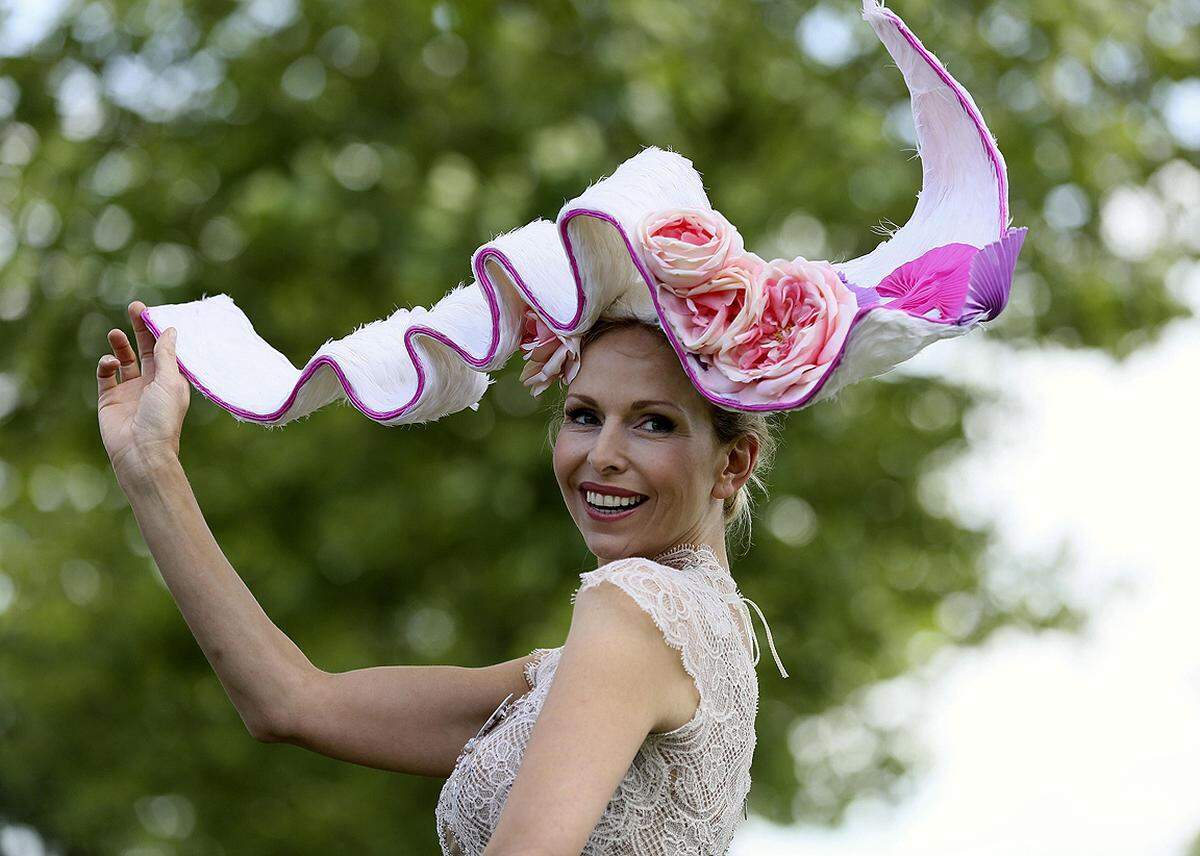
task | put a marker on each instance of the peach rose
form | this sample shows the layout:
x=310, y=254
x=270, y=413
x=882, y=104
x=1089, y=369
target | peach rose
x=805, y=317
x=548, y=356
x=687, y=246
x=716, y=311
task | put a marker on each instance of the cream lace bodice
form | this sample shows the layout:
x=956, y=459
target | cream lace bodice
x=685, y=791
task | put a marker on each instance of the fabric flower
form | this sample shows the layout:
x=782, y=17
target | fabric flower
x=687, y=246
x=548, y=356
x=716, y=311
x=805, y=318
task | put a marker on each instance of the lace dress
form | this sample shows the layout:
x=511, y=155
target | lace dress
x=685, y=791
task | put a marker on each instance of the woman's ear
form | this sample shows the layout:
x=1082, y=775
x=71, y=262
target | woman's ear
x=737, y=465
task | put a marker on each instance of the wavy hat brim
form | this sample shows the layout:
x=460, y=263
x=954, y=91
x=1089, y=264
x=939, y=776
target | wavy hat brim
x=418, y=365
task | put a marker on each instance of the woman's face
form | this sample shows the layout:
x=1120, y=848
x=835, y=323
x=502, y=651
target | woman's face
x=632, y=421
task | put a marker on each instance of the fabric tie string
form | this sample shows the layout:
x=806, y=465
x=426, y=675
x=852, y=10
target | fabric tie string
x=754, y=636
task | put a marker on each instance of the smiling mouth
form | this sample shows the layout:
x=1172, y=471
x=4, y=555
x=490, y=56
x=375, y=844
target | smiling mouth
x=622, y=507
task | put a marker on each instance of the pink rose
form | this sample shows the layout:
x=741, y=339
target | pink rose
x=686, y=246
x=716, y=311
x=548, y=356
x=805, y=317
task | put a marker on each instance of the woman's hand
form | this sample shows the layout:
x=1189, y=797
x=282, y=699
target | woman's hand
x=141, y=408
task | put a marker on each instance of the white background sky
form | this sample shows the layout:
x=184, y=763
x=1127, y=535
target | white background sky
x=1041, y=743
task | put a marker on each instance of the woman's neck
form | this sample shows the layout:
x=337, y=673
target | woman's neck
x=694, y=539
x=717, y=550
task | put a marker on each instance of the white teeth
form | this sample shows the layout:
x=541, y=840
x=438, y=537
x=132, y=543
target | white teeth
x=602, y=500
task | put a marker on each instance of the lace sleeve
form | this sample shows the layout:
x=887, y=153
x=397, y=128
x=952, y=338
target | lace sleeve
x=532, y=664
x=675, y=608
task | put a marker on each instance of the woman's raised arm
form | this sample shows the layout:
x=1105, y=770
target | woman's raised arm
x=141, y=414
x=407, y=718
x=256, y=662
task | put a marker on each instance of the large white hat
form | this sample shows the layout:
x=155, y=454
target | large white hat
x=752, y=334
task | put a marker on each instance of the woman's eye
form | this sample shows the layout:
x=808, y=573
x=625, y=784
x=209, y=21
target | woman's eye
x=576, y=413
x=571, y=414
x=662, y=419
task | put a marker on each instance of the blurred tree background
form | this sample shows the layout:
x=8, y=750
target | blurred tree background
x=327, y=162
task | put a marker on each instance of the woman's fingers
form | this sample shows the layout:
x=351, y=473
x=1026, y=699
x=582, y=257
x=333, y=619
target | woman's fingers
x=164, y=354
x=106, y=374
x=124, y=352
x=145, y=338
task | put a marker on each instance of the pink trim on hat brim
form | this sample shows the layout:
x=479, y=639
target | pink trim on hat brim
x=347, y=386
x=489, y=290
x=567, y=327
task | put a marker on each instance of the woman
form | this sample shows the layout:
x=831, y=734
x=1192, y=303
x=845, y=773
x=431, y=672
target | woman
x=636, y=735
x=646, y=711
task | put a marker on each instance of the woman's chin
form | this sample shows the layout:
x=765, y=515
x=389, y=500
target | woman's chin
x=613, y=537
x=609, y=546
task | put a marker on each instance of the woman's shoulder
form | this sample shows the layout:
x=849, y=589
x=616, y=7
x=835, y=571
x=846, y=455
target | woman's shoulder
x=657, y=588
x=684, y=603
x=695, y=620
x=638, y=574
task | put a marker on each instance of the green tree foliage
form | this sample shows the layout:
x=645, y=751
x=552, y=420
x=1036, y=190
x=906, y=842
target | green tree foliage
x=327, y=162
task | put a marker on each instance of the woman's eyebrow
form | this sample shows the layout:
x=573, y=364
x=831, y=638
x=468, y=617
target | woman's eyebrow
x=644, y=402
x=637, y=405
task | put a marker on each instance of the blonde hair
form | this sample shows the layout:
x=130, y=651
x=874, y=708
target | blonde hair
x=728, y=426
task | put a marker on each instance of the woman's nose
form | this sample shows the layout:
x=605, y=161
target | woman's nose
x=608, y=452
